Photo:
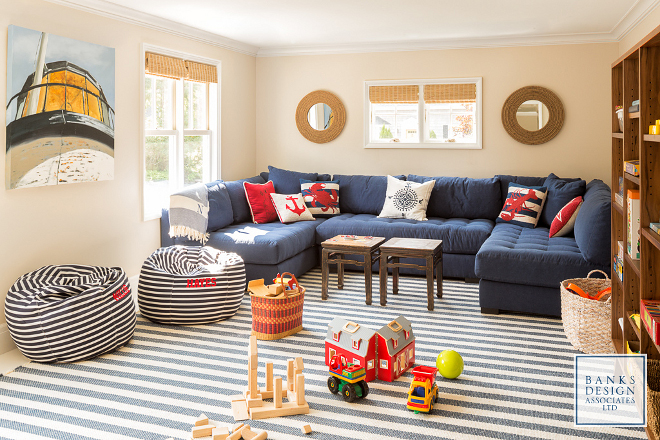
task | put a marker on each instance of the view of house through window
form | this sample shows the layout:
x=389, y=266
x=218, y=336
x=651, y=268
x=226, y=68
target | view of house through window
x=180, y=145
x=430, y=112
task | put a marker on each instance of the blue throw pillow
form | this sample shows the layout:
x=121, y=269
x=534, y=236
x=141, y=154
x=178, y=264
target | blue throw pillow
x=239, y=204
x=362, y=194
x=288, y=182
x=560, y=192
x=462, y=197
x=523, y=205
x=221, y=213
x=593, y=223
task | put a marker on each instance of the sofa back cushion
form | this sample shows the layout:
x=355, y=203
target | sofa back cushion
x=505, y=179
x=592, y=226
x=362, y=194
x=239, y=204
x=221, y=213
x=462, y=197
x=288, y=182
x=560, y=192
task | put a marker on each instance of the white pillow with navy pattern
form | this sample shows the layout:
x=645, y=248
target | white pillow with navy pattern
x=406, y=199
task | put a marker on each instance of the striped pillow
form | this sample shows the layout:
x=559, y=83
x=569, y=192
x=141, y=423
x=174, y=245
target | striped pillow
x=187, y=285
x=321, y=198
x=70, y=313
x=523, y=205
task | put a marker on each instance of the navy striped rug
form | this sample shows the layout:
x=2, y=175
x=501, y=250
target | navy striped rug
x=517, y=383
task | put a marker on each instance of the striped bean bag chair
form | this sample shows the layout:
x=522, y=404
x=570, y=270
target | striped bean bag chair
x=70, y=313
x=188, y=285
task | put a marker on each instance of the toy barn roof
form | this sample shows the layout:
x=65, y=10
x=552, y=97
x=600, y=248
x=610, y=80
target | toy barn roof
x=346, y=337
x=389, y=335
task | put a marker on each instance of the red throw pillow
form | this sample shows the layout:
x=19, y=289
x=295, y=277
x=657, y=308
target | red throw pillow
x=565, y=218
x=258, y=197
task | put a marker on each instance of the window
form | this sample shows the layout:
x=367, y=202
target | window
x=410, y=354
x=356, y=361
x=331, y=353
x=440, y=113
x=395, y=342
x=335, y=336
x=406, y=334
x=370, y=364
x=383, y=363
x=180, y=127
x=356, y=344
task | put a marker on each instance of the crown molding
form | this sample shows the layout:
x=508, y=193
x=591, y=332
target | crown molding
x=128, y=15
x=638, y=12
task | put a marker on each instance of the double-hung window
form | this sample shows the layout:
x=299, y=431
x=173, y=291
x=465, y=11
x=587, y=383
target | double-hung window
x=180, y=127
x=439, y=113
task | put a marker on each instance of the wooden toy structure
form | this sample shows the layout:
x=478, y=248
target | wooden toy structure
x=204, y=428
x=251, y=405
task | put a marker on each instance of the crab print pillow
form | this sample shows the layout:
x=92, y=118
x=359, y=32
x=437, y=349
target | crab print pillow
x=523, y=205
x=321, y=198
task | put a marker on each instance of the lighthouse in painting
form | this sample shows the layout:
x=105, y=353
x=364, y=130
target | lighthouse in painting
x=60, y=122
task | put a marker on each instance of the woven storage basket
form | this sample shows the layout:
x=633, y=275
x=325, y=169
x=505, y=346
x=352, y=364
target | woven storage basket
x=653, y=396
x=277, y=317
x=587, y=322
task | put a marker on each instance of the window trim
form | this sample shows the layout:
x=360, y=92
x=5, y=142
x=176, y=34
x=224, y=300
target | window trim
x=216, y=136
x=423, y=144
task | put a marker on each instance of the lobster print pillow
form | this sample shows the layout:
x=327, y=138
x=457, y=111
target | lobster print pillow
x=321, y=198
x=258, y=198
x=523, y=205
x=291, y=208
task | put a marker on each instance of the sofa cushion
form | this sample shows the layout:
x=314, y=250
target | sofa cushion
x=323, y=177
x=514, y=254
x=459, y=235
x=523, y=205
x=462, y=197
x=321, y=197
x=362, y=194
x=592, y=226
x=406, y=199
x=267, y=243
x=288, y=182
x=239, y=203
x=221, y=213
x=560, y=192
x=505, y=179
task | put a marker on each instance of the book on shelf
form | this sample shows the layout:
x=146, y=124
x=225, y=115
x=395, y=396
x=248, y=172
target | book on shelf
x=631, y=167
x=655, y=227
x=632, y=228
x=650, y=313
x=635, y=102
x=618, y=268
x=621, y=185
x=633, y=108
x=618, y=198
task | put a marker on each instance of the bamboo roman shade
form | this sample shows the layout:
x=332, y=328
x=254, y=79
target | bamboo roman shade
x=404, y=94
x=450, y=93
x=177, y=68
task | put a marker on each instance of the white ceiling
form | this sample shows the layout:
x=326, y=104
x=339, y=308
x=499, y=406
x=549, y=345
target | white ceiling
x=287, y=27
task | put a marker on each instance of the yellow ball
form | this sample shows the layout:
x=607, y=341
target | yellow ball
x=450, y=364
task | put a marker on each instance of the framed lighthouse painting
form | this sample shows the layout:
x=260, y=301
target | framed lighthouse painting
x=60, y=110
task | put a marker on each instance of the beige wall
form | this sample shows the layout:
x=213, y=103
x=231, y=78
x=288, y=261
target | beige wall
x=578, y=74
x=100, y=223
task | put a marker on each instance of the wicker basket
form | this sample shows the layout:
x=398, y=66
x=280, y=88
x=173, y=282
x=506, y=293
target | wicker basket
x=587, y=322
x=278, y=316
x=653, y=396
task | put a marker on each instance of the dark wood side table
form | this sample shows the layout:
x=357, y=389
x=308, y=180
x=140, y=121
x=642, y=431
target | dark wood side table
x=342, y=245
x=428, y=250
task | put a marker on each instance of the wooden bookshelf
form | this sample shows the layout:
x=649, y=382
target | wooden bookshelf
x=636, y=76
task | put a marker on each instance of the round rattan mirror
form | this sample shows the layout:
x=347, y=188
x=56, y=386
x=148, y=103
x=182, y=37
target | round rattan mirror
x=327, y=114
x=519, y=107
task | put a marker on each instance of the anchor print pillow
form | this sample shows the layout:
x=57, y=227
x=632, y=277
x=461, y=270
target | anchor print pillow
x=321, y=198
x=405, y=199
x=291, y=208
x=523, y=205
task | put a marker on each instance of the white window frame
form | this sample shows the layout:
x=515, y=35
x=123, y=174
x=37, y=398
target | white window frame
x=356, y=344
x=176, y=157
x=336, y=336
x=370, y=364
x=424, y=142
x=383, y=364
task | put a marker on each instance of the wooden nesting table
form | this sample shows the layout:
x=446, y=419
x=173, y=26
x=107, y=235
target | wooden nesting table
x=342, y=245
x=428, y=250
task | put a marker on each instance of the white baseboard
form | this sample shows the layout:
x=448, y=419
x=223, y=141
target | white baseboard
x=6, y=343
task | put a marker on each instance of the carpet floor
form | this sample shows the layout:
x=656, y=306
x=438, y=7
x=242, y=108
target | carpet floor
x=517, y=382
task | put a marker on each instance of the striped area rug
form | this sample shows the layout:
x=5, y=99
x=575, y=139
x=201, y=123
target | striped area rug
x=517, y=383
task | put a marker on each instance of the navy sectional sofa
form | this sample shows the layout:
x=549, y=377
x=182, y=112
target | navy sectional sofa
x=519, y=269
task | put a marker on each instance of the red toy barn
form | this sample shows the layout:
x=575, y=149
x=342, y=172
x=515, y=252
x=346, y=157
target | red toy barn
x=356, y=343
x=396, y=349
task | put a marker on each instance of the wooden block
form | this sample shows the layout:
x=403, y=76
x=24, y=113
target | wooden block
x=274, y=289
x=240, y=410
x=239, y=433
x=248, y=434
x=253, y=403
x=271, y=394
x=289, y=374
x=262, y=436
x=202, y=431
x=253, y=388
x=287, y=409
x=277, y=398
x=299, y=364
x=237, y=427
x=300, y=389
x=202, y=420
x=220, y=433
x=236, y=397
x=269, y=376
x=306, y=429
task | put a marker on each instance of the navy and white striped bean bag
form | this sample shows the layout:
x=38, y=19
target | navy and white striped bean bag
x=188, y=285
x=70, y=313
